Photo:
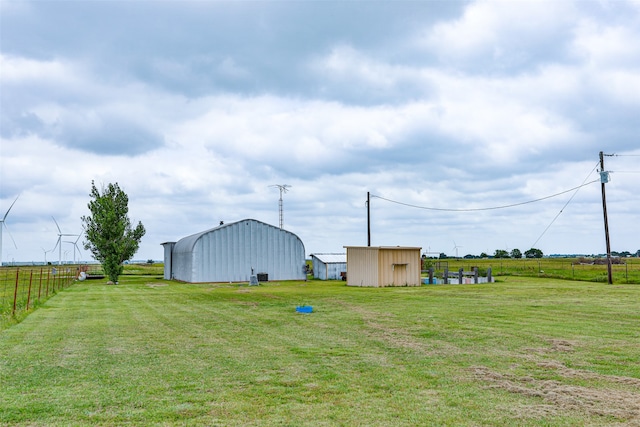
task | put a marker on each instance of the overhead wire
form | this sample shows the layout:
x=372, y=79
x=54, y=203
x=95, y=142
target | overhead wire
x=486, y=208
x=566, y=204
x=574, y=189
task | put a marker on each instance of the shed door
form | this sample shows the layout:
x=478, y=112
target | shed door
x=400, y=274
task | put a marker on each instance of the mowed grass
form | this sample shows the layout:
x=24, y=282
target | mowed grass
x=149, y=352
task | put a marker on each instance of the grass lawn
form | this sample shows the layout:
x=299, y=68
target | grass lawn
x=521, y=351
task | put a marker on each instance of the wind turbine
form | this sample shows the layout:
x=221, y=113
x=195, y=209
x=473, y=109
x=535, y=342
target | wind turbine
x=59, y=242
x=75, y=246
x=455, y=247
x=45, y=254
x=2, y=224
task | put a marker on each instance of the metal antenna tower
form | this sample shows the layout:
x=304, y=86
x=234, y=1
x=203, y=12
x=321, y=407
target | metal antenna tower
x=283, y=189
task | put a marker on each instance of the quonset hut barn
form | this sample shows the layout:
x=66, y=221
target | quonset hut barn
x=235, y=251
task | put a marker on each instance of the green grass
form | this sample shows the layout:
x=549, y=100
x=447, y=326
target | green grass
x=24, y=289
x=148, y=352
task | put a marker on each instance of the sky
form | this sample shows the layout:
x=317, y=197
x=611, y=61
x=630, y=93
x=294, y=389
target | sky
x=445, y=112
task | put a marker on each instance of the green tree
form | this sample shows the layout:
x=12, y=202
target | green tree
x=108, y=231
x=533, y=253
x=515, y=253
x=501, y=253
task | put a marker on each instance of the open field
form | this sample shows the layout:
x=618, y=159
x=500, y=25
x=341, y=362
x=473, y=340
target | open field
x=559, y=268
x=148, y=352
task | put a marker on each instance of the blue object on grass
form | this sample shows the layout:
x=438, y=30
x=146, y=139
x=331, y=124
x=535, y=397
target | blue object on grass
x=304, y=309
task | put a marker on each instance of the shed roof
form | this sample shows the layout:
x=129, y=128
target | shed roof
x=385, y=247
x=186, y=244
x=331, y=258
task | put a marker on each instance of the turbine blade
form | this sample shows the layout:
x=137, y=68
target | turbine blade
x=57, y=243
x=14, y=202
x=54, y=220
x=8, y=231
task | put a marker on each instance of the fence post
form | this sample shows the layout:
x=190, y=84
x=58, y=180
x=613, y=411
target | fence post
x=489, y=278
x=445, y=276
x=431, y=276
x=475, y=275
x=29, y=292
x=47, y=291
x=15, y=292
x=40, y=285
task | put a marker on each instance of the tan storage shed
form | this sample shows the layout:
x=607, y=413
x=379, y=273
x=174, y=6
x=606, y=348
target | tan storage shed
x=379, y=266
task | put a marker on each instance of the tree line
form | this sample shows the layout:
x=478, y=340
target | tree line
x=502, y=253
x=530, y=253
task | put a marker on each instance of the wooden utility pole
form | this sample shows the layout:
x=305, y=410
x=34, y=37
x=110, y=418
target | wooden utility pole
x=604, y=178
x=368, y=219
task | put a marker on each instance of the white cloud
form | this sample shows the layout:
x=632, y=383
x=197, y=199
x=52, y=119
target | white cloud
x=502, y=103
x=604, y=46
x=17, y=70
x=506, y=32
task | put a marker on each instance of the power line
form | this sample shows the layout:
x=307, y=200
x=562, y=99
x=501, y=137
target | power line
x=565, y=205
x=488, y=208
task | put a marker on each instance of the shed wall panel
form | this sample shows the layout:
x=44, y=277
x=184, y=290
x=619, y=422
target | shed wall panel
x=362, y=266
x=390, y=271
x=327, y=270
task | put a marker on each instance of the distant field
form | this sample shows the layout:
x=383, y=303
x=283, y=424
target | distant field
x=560, y=268
x=529, y=352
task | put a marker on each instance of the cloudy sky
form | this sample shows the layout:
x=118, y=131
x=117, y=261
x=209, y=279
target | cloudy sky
x=196, y=108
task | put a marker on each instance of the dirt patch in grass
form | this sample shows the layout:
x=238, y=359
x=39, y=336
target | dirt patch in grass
x=622, y=405
x=587, y=375
x=555, y=345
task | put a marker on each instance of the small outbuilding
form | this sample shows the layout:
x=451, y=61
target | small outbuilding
x=329, y=266
x=234, y=252
x=380, y=266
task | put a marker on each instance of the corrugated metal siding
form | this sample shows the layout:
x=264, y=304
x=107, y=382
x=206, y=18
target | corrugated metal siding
x=383, y=266
x=168, y=260
x=229, y=253
x=329, y=266
x=362, y=266
x=181, y=258
x=334, y=270
x=399, y=266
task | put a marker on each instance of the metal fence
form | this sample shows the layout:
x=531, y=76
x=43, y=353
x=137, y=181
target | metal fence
x=22, y=289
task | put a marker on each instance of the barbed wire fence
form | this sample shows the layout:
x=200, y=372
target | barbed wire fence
x=23, y=289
